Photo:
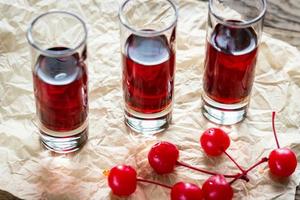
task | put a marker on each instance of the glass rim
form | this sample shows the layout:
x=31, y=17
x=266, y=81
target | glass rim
x=52, y=53
x=147, y=32
x=239, y=23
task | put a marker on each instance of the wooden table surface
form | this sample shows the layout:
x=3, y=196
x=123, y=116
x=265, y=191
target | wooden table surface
x=282, y=21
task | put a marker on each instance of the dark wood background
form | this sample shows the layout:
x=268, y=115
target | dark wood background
x=282, y=21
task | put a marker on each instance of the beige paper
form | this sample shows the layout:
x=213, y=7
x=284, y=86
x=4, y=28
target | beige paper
x=30, y=172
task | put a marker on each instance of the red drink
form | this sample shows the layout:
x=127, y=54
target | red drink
x=148, y=73
x=230, y=64
x=60, y=88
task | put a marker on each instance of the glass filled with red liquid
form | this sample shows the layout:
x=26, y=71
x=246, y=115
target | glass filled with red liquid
x=233, y=35
x=60, y=79
x=148, y=35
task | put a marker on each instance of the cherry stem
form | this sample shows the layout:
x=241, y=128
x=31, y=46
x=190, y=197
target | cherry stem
x=274, y=130
x=153, y=182
x=263, y=160
x=238, y=166
x=240, y=176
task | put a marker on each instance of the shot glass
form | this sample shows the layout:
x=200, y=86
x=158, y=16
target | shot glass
x=233, y=36
x=148, y=48
x=60, y=79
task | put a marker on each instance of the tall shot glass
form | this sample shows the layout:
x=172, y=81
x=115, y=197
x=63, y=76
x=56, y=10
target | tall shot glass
x=60, y=79
x=233, y=36
x=148, y=35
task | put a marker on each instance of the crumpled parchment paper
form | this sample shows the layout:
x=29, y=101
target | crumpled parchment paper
x=30, y=172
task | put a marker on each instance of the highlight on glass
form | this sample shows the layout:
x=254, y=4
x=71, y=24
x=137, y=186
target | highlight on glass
x=233, y=38
x=60, y=79
x=148, y=47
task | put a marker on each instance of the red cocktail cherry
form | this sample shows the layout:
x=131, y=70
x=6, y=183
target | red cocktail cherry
x=163, y=158
x=122, y=180
x=282, y=161
x=217, y=188
x=214, y=142
x=186, y=191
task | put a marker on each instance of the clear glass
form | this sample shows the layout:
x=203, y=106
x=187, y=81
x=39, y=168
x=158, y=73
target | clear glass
x=148, y=48
x=60, y=79
x=233, y=36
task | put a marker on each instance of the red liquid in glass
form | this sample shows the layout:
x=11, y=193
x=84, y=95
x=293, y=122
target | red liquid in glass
x=60, y=88
x=230, y=64
x=148, y=73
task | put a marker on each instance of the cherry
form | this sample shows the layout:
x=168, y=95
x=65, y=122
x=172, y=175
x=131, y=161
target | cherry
x=122, y=180
x=282, y=161
x=163, y=157
x=214, y=141
x=186, y=191
x=217, y=188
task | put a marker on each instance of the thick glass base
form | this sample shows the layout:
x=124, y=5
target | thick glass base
x=64, y=142
x=148, y=124
x=224, y=114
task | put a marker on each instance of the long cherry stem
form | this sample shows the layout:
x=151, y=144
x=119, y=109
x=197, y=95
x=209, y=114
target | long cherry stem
x=153, y=182
x=240, y=176
x=274, y=130
x=263, y=160
x=238, y=166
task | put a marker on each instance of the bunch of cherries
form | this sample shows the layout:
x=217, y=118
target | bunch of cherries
x=164, y=157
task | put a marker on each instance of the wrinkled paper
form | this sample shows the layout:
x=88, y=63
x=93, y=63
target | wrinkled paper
x=31, y=172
